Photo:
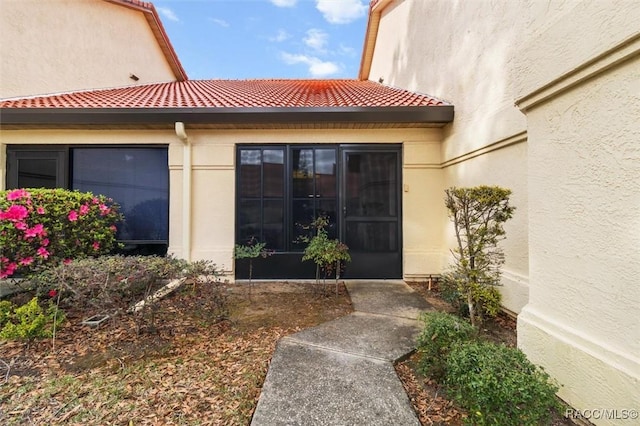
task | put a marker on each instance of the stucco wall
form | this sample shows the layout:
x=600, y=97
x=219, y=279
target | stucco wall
x=464, y=53
x=212, y=212
x=65, y=45
x=582, y=108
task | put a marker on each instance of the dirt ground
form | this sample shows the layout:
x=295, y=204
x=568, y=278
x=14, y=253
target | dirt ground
x=187, y=366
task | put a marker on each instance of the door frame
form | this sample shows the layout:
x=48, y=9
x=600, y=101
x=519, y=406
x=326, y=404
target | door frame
x=287, y=264
x=344, y=150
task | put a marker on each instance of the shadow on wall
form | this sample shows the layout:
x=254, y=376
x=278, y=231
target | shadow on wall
x=462, y=52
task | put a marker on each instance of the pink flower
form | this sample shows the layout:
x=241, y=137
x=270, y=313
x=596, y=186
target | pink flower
x=72, y=216
x=113, y=228
x=84, y=209
x=52, y=293
x=14, y=213
x=10, y=269
x=26, y=261
x=104, y=210
x=20, y=225
x=40, y=210
x=67, y=261
x=17, y=194
x=96, y=245
x=35, y=231
x=43, y=253
x=45, y=242
x=95, y=200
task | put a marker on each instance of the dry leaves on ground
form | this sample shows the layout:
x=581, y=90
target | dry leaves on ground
x=187, y=369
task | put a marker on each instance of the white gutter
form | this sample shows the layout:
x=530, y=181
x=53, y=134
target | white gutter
x=186, y=190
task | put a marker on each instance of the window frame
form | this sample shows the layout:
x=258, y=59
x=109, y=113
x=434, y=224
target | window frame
x=65, y=168
x=288, y=197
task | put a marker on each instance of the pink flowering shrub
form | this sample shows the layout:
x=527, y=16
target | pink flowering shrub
x=47, y=226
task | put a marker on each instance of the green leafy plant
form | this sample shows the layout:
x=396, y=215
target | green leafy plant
x=30, y=321
x=46, y=226
x=498, y=385
x=328, y=255
x=252, y=250
x=6, y=308
x=441, y=331
x=478, y=215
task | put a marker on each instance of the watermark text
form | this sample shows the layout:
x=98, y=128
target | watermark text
x=602, y=413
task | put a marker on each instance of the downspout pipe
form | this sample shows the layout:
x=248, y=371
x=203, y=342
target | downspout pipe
x=186, y=190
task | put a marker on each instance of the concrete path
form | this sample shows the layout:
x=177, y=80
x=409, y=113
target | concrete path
x=341, y=372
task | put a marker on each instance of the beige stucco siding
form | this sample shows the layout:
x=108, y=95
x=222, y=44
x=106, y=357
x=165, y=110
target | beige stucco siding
x=464, y=54
x=64, y=45
x=571, y=157
x=505, y=166
x=212, y=211
x=584, y=161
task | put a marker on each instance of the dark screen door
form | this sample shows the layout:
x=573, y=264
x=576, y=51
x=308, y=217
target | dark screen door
x=371, y=212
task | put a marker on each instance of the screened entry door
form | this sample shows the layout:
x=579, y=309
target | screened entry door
x=371, y=216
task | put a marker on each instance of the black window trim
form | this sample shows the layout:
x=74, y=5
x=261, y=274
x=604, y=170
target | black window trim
x=68, y=168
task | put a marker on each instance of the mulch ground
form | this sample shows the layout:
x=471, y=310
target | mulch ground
x=185, y=368
x=426, y=395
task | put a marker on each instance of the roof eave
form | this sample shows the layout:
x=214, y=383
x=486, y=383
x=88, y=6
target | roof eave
x=440, y=114
x=370, y=37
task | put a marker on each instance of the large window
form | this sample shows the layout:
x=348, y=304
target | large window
x=261, y=197
x=137, y=178
x=281, y=190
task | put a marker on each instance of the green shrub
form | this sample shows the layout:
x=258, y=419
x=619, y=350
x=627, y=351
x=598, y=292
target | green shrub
x=108, y=283
x=487, y=299
x=47, y=226
x=6, y=308
x=30, y=321
x=498, y=385
x=440, y=333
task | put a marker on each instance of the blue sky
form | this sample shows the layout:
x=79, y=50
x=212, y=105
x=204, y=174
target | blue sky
x=240, y=39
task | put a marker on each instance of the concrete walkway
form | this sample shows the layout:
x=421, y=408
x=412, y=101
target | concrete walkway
x=341, y=372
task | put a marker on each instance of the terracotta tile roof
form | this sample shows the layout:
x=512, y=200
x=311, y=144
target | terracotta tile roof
x=236, y=94
x=153, y=19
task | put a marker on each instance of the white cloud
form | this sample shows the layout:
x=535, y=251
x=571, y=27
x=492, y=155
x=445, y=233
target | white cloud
x=168, y=13
x=220, y=22
x=342, y=11
x=317, y=67
x=284, y=3
x=316, y=39
x=281, y=36
x=347, y=51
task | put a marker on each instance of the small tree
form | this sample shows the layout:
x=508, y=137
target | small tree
x=478, y=214
x=252, y=250
x=328, y=255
